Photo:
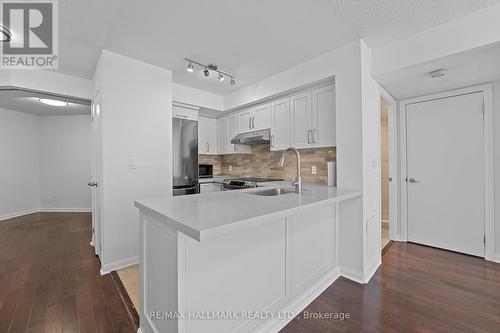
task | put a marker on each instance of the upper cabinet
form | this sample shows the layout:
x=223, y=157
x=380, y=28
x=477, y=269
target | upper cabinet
x=255, y=119
x=280, y=124
x=313, y=118
x=184, y=113
x=323, y=116
x=207, y=136
x=228, y=127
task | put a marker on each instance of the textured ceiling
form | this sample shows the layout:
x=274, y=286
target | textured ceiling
x=382, y=21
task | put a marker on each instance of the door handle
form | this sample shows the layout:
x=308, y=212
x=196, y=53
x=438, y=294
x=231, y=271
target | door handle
x=309, y=136
x=272, y=140
x=314, y=135
x=92, y=184
x=413, y=180
x=253, y=122
x=250, y=123
x=208, y=147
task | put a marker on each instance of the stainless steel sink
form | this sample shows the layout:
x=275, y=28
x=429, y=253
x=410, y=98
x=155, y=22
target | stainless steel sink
x=273, y=191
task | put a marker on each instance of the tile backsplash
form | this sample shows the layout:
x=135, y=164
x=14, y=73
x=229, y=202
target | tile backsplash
x=265, y=163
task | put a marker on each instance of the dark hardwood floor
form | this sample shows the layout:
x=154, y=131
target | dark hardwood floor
x=417, y=289
x=50, y=280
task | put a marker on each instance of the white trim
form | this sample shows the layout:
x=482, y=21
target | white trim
x=372, y=268
x=495, y=259
x=352, y=274
x=65, y=210
x=44, y=210
x=17, y=214
x=394, y=230
x=489, y=221
x=301, y=302
x=120, y=264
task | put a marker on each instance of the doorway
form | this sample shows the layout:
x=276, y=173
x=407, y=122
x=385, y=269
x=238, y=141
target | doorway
x=384, y=172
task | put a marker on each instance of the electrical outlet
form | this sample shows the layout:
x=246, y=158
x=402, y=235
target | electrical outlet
x=230, y=168
x=313, y=170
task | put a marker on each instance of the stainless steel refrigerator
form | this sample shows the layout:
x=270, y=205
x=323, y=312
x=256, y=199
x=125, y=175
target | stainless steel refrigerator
x=185, y=156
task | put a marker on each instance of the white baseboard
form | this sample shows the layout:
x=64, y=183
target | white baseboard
x=372, y=268
x=120, y=264
x=65, y=210
x=300, y=303
x=352, y=274
x=17, y=214
x=495, y=258
x=44, y=210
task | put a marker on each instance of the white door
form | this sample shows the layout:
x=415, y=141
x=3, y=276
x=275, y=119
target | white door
x=96, y=171
x=301, y=120
x=280, y=124
x=261, y=117
x=445, y=173
x=323, y=116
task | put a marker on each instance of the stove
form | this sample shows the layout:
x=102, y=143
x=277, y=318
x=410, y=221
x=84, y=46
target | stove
x=245, y=182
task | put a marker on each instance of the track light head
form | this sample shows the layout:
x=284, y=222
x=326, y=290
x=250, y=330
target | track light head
x=206, y=72
x=190, y=67
x=232, y=82
x=220, y=77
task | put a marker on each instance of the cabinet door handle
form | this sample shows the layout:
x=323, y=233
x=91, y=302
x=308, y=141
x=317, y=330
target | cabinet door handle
x=253, y=122
x=208, y=147
x=309, y=136
x=181, y=116
x=250, y=123
x=272, y=140
x=314, y=135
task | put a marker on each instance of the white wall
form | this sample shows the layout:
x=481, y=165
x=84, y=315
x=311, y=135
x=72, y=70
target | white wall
x=496, y=124
x=136, y=116
x=43, y=157
x=65, y=163
x=19, y=175
x=196, y=97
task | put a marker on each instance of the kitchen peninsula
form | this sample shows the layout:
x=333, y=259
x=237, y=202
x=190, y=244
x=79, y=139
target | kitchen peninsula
x=237, y=252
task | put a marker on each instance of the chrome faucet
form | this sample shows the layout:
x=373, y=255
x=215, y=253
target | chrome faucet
x=298, y=180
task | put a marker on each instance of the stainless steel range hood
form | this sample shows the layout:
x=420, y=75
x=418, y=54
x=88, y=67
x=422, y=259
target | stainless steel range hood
x=252, y=138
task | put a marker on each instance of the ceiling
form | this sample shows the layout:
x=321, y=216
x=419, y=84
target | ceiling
x=252, y=39
x=28, y=102
x=463, y=69
x=379, y=22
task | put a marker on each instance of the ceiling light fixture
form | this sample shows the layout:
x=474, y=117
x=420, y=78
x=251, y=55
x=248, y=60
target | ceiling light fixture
x=6, y=34
x=53, y=102
x=221, y=75
x=437, y=73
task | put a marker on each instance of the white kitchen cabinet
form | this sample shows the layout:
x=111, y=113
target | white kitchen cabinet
x=301, y=120
x=228, y=128
x=254, y=119
x=323, y=117
x=280, y=124
x=207, y=136
x=313, y=121
x=184, y=113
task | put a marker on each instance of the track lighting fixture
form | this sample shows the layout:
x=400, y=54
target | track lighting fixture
x=5, y=34
x=221, y=75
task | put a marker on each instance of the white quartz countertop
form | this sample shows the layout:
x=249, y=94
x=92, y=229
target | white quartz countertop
x=207, y=215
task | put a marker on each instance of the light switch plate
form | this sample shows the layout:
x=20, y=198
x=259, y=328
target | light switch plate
x=132, y=163
x=313, y=170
